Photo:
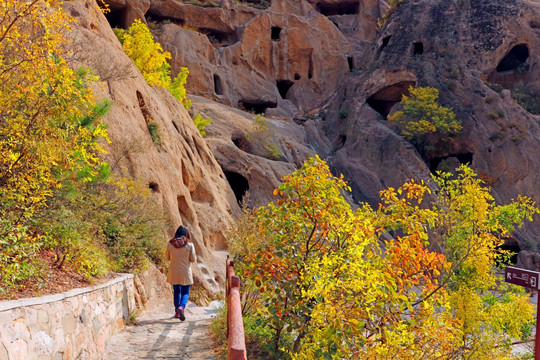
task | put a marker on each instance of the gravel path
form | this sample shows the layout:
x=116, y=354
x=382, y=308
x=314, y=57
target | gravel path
x=158, y=335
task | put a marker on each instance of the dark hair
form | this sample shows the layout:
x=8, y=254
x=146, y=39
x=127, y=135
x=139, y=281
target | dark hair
x=182, y=231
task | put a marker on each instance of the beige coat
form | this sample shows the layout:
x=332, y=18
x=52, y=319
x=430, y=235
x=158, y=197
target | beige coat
x=180, y=267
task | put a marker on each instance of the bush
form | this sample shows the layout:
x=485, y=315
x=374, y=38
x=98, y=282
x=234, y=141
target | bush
x=257, y=335
x=527, y=97
x=259, y=137
x=102, y=226
x=201, y=123
x=422, y=118
x=149, y=57
x=155, y=133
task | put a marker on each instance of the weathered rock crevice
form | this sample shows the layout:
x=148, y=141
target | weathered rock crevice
x=283, y=87
x=256, y=106
x=220, y=38
x=450, y=162
x=384, y=100
x=340, y=8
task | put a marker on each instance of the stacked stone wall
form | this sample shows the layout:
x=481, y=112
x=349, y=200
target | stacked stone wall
x=76, y=324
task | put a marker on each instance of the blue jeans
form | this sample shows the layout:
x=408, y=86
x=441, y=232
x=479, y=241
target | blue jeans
x=181, y=295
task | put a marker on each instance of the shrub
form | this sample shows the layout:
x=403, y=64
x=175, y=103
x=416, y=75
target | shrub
x=259, y=4
x=256, y=335
x=178, y=87
x=111, y=224
x=527, y=97
x=46, y=130
x=493, y=115
x=422, y=118
x=149, y=57
x=201, y=123
x=155, y=133
x=259, y=137
x=343, y=113
x=273, y=151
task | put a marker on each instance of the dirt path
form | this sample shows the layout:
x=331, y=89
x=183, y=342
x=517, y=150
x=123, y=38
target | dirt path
x=158, y=335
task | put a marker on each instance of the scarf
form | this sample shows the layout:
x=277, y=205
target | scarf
x=179, y=242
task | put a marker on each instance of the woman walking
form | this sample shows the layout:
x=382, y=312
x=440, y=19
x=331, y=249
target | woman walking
x=181, y=254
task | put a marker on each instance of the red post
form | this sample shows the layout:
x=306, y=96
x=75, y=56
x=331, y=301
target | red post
x=235, y=323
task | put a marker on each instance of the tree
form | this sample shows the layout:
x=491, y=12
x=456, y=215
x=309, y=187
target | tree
x=149, y=57
x=422, y=118
x=383, y=283
x=45, y=127
x=42, y=103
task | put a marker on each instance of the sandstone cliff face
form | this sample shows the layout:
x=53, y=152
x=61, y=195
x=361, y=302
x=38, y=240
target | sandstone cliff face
x=182, y=172
x=329, y=77
x=462, y=48
x=286, y=59
x=248, y=166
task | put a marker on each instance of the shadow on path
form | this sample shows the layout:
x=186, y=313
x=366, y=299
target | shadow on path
x=158, y=335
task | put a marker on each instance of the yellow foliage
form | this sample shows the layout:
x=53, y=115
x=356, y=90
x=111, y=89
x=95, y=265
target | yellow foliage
x=47, y=133
x=324, y=274
x=422, y=117
x=42, y=102
x=151, y=60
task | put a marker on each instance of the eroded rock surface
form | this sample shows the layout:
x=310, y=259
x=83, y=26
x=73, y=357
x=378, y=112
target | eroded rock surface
x=185, y=178
x=326, y=66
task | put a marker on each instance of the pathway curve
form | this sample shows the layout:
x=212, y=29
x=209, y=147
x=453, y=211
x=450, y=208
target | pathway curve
x=158, y=335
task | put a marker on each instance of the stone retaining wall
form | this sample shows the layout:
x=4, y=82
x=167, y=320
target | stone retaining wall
x=76, y=324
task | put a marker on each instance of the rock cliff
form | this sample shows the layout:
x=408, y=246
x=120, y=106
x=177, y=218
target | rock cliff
x=326, y=75
x=184, y=176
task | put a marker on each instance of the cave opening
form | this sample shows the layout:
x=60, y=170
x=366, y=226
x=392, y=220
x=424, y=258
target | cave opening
x=341, y=8
x=176, y=127
x=275, y=33
x=463, y=158
x=154, y=187
x=238, y=184
x=340, y=141
x=153, y=18
x=418, y=48
x=385, y=42
x=383, y=100
x=144, y=108
x=350, y=61
x=117, y=18
x=241, y=142
x=220, y=38
x=515, y=60
x=283, y=87
x=217, y=85
x=257, y=107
